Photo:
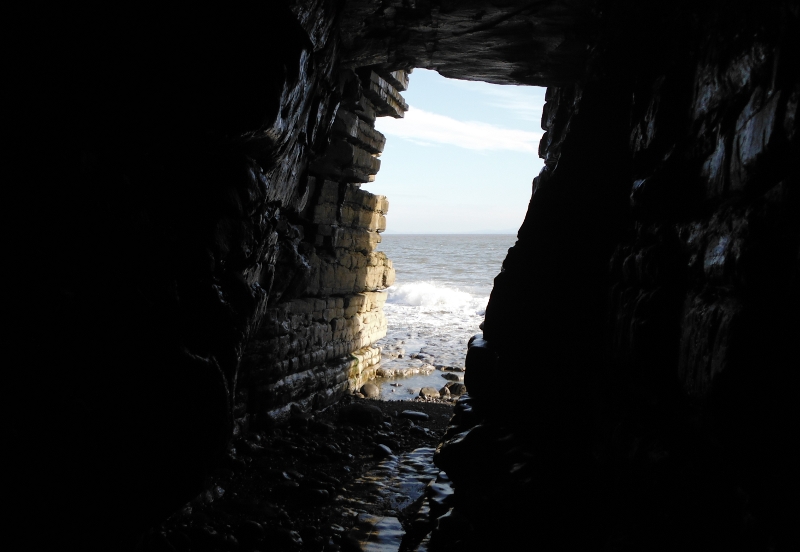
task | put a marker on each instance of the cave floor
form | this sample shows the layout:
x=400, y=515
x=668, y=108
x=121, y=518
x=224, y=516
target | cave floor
x=306, y=485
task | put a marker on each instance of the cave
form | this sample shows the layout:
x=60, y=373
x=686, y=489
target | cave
x=196, y=260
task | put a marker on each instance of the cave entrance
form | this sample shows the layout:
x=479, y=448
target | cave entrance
x=458, y=174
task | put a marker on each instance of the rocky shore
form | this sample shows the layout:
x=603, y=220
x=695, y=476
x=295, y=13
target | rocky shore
x=448, y=390
x=304, y=484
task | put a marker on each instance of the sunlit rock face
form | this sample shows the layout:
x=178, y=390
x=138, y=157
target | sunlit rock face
x=205, y=260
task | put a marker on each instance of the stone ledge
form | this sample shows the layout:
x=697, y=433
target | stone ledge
x=386, y=98
x=346, y=162
x=313, y=388
x=398, y=79
x=348, y=125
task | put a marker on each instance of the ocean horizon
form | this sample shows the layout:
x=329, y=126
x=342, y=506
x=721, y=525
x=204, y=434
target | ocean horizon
x=436, y=304
x=486, y=233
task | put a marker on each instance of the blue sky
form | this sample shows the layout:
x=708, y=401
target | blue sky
x=463, y=158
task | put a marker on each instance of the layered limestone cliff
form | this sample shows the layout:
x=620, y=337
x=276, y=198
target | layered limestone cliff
x=315, y=342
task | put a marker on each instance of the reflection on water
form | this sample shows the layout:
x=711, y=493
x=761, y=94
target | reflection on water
x=398, y=486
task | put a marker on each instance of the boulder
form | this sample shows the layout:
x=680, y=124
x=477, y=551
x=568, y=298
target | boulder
x=456, y=388
x=429, y=392
x=370, y=391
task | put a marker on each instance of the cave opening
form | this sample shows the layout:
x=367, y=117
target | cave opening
x=204, y=283
x=457, y=170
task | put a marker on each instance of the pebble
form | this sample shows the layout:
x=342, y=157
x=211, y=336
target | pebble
x=428, y=392
x=414, y=415
x=453, y=376
x=382, y=451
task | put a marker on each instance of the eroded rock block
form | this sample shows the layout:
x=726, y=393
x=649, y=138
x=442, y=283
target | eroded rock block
x=384, y=96
x=481, y=368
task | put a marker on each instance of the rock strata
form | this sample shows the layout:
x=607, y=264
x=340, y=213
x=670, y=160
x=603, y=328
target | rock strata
x=314, y=347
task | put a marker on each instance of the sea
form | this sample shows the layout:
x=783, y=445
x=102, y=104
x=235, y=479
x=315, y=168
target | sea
x=436, y=304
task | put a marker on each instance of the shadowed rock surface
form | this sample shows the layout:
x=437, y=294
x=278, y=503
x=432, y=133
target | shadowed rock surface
x=197, y=262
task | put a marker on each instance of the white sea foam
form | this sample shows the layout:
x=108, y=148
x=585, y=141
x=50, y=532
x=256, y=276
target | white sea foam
x=437, y=304
x=430, y=295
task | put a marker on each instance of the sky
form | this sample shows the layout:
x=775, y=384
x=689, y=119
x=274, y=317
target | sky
x=462, y=160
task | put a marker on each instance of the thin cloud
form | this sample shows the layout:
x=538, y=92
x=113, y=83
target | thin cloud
x=423, y=126
x=522, y=107
x=422, y=143
x=524, y=101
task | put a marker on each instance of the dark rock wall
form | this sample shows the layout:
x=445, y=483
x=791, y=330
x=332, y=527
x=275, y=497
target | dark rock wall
x=651, y=301
x=200, y=257
x=509, y=42
x=200, y=248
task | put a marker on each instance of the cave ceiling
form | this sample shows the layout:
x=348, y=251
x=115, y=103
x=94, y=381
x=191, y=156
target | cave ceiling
x=503, y=42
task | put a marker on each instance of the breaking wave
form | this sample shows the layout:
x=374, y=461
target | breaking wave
x=430, y=295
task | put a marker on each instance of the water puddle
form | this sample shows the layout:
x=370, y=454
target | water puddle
x=378, y=534
x=408, y=492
